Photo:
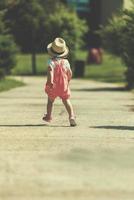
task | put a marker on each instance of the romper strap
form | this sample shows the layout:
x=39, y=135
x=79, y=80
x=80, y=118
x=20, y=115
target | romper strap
x=62, y=62
x=58, y=63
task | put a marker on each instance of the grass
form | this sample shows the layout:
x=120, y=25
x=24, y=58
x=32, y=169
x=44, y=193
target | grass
x=23, y=66
x=8, y=83
x=111, y=70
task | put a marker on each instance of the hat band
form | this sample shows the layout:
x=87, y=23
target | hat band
x=53, y=51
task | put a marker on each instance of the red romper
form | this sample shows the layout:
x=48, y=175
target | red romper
x=60, y=80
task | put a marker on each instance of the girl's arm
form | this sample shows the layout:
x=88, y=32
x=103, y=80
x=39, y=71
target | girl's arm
x=69, y=71
x=50, y=76
x=69, y=74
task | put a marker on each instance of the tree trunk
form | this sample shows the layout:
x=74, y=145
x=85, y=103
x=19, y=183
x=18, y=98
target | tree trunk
x=34, y=72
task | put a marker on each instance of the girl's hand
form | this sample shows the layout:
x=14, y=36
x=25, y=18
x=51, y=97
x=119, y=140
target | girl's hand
x=50, y=77
x=50, y=84
x=69, y=74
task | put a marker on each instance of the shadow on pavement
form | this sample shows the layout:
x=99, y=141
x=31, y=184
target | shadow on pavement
x=32, y=125
x=129, y=128
x=131, y=107
x=22, y=125
x=102, y=89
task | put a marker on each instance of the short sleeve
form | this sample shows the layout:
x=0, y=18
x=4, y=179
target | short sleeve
x=50, y=63
x=67, y=64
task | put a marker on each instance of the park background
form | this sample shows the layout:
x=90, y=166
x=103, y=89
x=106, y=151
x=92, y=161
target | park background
x=27, y=27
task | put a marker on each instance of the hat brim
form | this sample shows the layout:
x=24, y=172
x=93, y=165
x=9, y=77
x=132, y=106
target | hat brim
x=51, y=53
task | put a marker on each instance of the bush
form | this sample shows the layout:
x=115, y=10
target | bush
x=7, y=49
x=1, y=74
x=118, y=39
x=7, y=53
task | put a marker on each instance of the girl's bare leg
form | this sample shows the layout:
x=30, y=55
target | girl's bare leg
x=49, y=107
x=69, y=107
x=48, y=117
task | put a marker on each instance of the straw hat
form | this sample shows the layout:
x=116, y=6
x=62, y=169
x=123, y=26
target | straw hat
x=58, y=48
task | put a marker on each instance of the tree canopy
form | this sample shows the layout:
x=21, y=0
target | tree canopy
x=118, y=39
x=35, y=23
x=7, y=49
x=26, y=22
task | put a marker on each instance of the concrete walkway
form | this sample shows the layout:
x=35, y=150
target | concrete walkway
x=94, y=161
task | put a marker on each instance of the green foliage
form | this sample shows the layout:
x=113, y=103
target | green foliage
x=26, y=22
x=49, y=5
x=2, y=4
x=118, y=39
x=65, y=23
x=111, y=35
x=7, y=54
x=2, y=25
x=7, y=50
x=34, y=23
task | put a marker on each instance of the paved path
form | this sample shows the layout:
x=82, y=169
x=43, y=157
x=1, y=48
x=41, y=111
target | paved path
x=94, y=161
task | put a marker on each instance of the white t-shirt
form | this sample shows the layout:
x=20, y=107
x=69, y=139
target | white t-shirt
x=52, y=64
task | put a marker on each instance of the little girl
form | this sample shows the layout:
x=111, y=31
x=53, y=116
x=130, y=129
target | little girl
x=58, y=77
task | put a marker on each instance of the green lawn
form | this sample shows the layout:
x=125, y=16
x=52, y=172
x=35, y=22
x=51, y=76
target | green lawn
x=8, y=83
x=111, y=70
x=23, y=66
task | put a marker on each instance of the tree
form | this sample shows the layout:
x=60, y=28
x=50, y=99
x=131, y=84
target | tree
x=36, y=23
x=3, y=4
x=65, y=23
x=50, y=5
x=7, y=49
x=26, y=21
x=7, y=54
x=118, y=39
